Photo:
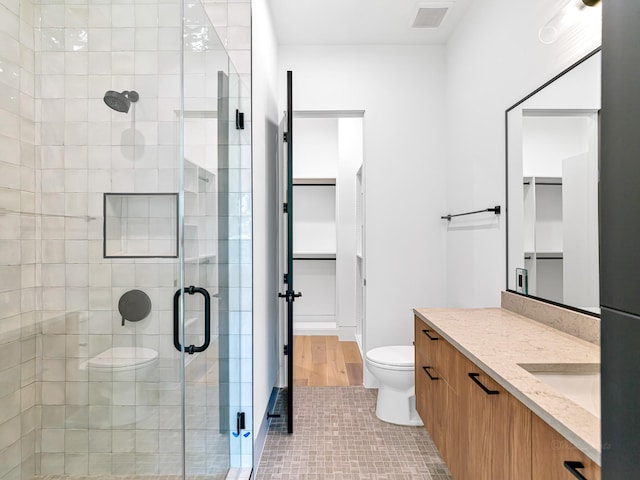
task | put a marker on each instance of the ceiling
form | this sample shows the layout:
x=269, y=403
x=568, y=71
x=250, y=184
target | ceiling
x=360, y=22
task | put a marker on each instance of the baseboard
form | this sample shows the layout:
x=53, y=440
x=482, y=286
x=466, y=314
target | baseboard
x=261, y=437
x=315, y=328
x=347, y=334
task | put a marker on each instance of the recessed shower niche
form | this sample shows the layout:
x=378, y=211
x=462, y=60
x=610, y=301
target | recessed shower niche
x=140, y=225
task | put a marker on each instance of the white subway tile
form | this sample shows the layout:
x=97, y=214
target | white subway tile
x=76, y=86
x=52, y=16
x=99, y=39
x=75, y=155
x=99, y=133
x=122, y=63
x=10, y=176
x=53, y=251
x=123, y=39
x=100, y=298
x=76, y=464
x=52, y=63
x=52, y=463
x=146, y=15
x=99, y=63
x=76, y=251
x=76, y=16
x=52, y=440
x=76, y=299
x=77, y=275
x=75, y=180
x=53, y=394
x=100, y=15
x=52, y=86
x=99, y=181
x=77, y=393
x=52, y=39
x=76, y=63
x=9, y=125
x=239, y=15
x=125, y=15
x=100, y=441
x=169, y=15
x=76, y=39
x=146, y=63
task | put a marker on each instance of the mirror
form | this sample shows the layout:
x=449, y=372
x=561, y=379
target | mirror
x=552, y=189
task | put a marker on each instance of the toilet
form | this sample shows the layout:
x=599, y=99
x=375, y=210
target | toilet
x=393, y=367
x=125, y=376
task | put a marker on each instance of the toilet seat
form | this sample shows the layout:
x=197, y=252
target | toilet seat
x=123, y=358
x=394, y=357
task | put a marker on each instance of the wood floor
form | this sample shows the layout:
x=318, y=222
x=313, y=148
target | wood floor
x=320, y=361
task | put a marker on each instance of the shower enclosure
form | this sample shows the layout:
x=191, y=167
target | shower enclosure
x=125, y=243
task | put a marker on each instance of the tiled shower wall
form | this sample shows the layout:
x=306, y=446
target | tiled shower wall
x=52, y=265
x=19, y=257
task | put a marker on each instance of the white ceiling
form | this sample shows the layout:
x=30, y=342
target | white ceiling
x=360, y=22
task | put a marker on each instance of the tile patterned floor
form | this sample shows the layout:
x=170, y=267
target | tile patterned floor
x=337, y=436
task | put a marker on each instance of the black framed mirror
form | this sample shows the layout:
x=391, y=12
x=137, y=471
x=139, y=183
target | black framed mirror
x=552, y=158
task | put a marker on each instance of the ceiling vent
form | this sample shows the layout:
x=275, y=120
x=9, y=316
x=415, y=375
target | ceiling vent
x=429, y=17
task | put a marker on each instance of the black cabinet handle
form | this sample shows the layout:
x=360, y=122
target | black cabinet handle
x=474, y=377
x=426, y=370
x=426, y=332
x=572, y=466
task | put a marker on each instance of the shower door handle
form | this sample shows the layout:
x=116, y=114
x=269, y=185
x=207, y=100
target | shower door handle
x=191, y=349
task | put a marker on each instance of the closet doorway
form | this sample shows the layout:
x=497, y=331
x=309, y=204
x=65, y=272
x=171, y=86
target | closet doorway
x=328, y=247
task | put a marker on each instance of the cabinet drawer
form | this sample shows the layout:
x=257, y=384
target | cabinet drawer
x=550, y=452
x=426, y=339
x=437, y=352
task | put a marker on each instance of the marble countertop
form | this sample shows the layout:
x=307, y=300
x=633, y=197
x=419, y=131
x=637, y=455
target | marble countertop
x=497, y=340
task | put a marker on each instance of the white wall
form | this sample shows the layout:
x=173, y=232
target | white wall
x=350, y=160
x=265, y=281
x=401, y=91
x=493, y=60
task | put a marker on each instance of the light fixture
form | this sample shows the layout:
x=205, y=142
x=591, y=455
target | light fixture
x=567, y=16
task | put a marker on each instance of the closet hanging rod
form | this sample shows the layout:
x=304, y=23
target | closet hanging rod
x=495, y=210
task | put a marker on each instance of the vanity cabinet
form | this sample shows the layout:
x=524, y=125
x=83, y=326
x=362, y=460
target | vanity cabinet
x=480, y=429
x=494, y=433
x=550, y=452
x=434, y=394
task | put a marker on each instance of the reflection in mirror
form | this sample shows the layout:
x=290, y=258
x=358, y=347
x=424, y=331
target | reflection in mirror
x=552, y=189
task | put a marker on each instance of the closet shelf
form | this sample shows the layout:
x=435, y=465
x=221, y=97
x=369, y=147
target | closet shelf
x=549, y=255
x=315, y=181
x=314, y=256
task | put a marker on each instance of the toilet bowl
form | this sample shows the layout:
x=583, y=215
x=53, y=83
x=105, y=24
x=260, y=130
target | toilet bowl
x=394, y=367
x=124, y=378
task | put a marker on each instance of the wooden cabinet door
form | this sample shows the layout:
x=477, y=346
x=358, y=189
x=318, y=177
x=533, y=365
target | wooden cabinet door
x=551, y=450
x=494, y=431
x=433, y=395
x=426, y=378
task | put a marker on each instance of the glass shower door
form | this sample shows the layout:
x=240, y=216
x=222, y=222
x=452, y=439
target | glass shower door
x=200, y=320
x=213, y=301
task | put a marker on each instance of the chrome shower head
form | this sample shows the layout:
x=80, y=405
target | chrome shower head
x=120, y=102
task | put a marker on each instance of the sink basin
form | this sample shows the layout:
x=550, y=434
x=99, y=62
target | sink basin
x=579, y=382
